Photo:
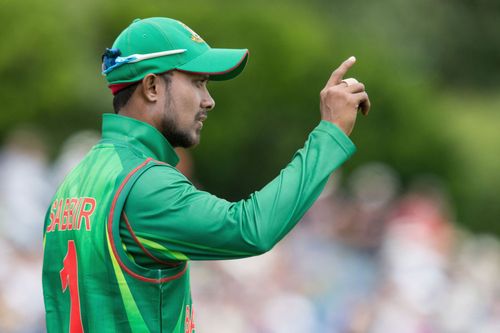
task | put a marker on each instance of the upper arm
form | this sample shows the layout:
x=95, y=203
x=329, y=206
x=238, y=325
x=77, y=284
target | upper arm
x=177, y=219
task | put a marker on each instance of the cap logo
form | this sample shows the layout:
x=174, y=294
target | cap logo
x=194, y=36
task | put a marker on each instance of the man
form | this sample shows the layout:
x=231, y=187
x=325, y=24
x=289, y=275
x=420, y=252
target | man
x=124, y=224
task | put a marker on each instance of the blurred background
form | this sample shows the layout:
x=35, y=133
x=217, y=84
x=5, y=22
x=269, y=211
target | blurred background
x=404, y=237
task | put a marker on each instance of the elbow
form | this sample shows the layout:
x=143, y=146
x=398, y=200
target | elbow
x=263, y=246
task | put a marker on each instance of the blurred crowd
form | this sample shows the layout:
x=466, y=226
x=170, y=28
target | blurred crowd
x=369, y=257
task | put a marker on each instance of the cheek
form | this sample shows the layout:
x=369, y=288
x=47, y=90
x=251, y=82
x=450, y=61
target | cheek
x=184, y=116
x=186, y=102
x=190, y=107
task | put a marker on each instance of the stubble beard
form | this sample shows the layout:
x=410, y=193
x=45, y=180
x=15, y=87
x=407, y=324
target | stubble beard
x=170, y=128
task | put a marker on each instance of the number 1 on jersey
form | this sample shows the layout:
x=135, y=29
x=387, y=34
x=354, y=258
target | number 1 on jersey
x=69, y=276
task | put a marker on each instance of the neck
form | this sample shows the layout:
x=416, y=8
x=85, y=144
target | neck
x=139, y=111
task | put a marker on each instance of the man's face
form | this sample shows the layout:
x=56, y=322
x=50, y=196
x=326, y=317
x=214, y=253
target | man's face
x=186, y=104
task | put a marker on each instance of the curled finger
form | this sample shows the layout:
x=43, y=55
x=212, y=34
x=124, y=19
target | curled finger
x=363, y=102
x=356, y=88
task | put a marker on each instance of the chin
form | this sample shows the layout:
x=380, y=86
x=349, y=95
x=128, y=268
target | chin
x=191, y=142
x=195, y=142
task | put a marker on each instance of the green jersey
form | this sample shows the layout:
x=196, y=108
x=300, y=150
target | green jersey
x=124, y=224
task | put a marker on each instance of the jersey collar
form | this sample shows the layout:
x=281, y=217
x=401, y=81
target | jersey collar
x=140, y=135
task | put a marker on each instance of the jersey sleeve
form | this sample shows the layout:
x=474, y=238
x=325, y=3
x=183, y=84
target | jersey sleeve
x=173, y=220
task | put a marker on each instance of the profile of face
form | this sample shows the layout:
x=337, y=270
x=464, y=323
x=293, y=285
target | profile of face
x=185, y=107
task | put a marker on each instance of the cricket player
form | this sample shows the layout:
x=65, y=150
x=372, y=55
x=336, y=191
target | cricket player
x=124, y=224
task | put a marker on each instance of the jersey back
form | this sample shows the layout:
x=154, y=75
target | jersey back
x=90, y=283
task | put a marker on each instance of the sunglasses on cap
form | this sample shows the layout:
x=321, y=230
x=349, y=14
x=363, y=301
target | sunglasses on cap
x=111, y=58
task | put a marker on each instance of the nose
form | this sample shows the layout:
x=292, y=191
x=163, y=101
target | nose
x=207, y=101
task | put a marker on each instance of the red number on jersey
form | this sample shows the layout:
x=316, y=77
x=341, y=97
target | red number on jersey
x=189, y=323
x=69, y=276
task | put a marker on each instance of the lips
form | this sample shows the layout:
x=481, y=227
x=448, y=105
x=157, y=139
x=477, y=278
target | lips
x=202, y=116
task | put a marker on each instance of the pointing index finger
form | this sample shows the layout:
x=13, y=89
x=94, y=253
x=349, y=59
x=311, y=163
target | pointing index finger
x=339, y=73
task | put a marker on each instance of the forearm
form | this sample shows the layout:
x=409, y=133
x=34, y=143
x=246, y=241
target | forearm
x=269, y=214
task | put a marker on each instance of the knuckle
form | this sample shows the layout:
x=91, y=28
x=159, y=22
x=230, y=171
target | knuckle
x=337, y=93
x=328, y=91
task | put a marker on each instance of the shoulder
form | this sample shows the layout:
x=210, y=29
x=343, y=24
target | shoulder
x=159, y=180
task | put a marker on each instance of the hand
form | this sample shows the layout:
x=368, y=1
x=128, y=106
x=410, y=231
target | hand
x=340, y=100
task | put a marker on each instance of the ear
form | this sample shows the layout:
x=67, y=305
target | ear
x=151, y=87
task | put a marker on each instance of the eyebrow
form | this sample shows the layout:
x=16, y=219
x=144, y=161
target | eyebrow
x=201, y=76
x=204, y=77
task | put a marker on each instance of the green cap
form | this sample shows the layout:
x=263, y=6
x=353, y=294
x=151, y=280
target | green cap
x=158, y=44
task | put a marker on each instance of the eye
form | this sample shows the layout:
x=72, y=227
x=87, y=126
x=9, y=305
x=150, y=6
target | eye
x=201, y=82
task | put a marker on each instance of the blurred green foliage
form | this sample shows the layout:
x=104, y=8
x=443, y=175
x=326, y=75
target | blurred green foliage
x=431, y=68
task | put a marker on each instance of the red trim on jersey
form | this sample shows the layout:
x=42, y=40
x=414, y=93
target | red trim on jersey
x=149, y=254
x=112, y=241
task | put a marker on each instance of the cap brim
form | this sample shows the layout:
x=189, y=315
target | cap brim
x=219, y=64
